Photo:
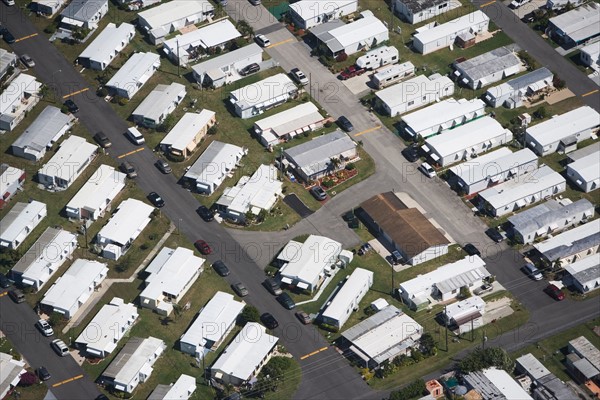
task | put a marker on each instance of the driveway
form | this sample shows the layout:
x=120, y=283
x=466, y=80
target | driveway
x=297, y=205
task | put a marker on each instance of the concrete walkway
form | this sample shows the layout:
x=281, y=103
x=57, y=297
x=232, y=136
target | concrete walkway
x=321, y=289
x=98, y=294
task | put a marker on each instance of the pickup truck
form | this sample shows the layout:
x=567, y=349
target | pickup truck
x=351, y=72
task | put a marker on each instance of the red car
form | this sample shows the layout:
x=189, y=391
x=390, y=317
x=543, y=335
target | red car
x=203, y=247
x=554, y=292
x=351, y=72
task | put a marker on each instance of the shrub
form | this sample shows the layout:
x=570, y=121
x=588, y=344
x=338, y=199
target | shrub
x=350, y=167
x=144, y=246
x=123, y=101
x=102, y=92
x=341, y=57
x=329, y=328
x=327, y=183
x=417, y=355
x=175, y=157
x=328, y=124
x=28, y=379
x=412, y=390
x=249, y=314
x=50, y=29
x=212, y=130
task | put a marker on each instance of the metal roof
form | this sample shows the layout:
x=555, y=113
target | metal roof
x=489, y=63
x=263, y=91
x=20, y=216
x=123, y=225
x=439, y=113
x=10, y=369
x=338, y=38
x=186, y=129
x=291, y=119
x=44, y=129
x=451, y=27
x=586, y=271
x=169, y=13
x=73, y=151
x=51, y=244
x=23, y=83
x=587, y=167
x=464, y=307
x=416, y=6
x=227, y=59
x=322, y=31
x=108, y=41
x=206, y=37
x=413, y=88
x=137, y=70
x=308, y=9
x=83, y=10
x=496, y=384
x=593, y=50
x=215, y=162
x=532, y=366
x=548, y=213
x=570, y=242
x=564, y=125
x=182, y=389
x=102, y=186
x=345, y=297
x=580, y=23
x=523, y=83
x=492, y=164
x=593, y=148
x=8, y=176
x=136, y=354
x=584, y=348
x=155, y=104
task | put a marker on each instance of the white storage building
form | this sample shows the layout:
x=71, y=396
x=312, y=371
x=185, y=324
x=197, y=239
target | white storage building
x=415, y=11
x=10, y=377
x=392, y=74
x=590, y=56
x=487, y=68
x=103, y=333
x=21, y=95
x=562, y=132
x=74, y=288
x=161, y=102
x=245, y=356
x=130, y=78
x=123, y=228
x=258, y=97
x=11, y=181
x=515, y=194
x=39, y=264
x=572, y=245
x=182, y=49
x=306, y=14
x=512, y=93
x=378, y=57
x=490, y=169
x=465, y=312
x=305, y=265
x=159, y=21
x=585, y=172
x=467, y=141
x=224, y=69
x=133, y=365
x=67, y=164
x=254, y=194
x=212, y=325
x=215, y=164
x=445, y=282
x=106, y=46
x=7, y=60
x=383, y=336
x=444, y=115
x=44, y=131
x=348, y=298
x=413, y=93
x=170, y=275
x=187, y=134
x=182, y=389
x=84, y=14
x=584, y=274
x=20, y=221
x=97, y=194
x=288, y=124
x=443, y=36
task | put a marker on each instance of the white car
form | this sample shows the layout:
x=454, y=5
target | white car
x=60, y=347
x=44, y=327
x=299, y=76
x=262, y=40
x=518, y=3
x=427, y=170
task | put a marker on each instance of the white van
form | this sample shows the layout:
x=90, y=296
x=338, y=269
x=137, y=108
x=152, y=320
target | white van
x=60, y=347
x=9, y=2
x=135, y=136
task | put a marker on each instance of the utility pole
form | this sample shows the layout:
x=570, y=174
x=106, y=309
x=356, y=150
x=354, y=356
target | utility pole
x=178, y=60
x=472, y=334
x=393, y=286
x=446, y=326
x=483, y=340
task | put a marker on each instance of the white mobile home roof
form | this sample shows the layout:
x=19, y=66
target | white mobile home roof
x=170, y=271
x=586, y=270
x=548, y=213
x=215, y=161
x=571, y=241
x=523, y=83
x=441, y=112
x=182, y=389
x=564, y=125
x=515, y=189
x=489, y=63
x=593, y=148
x=170, y=12
x=218, y=314
x=100, y=332
x=309, y=259
x=261, y=91
x=44, y=130
x=207, y=36
x=384, y=334
x=69, y=288
x=532, y=366
x=10, y=372
x=246, y=352
x=227, y=58
x=258, y=191
x=8, y=176
x=133, y=71
x=587, y=167
x=105, y=184
x=130, y=215
x=291, y=119
x=22, y=83
x=18, y=218
x=418, y=86
x=491, y=164
x=111, y=38
x=180, y=136
x=450, y=27
x=460, y=307
x=132, y=358
x=158, y=100
x=593, y=50
x=580, y=23
x=82, y=10
x=338, y=308
x=360, y=29
x=311, y=8
x=73, y=153
x=509, y=388
x=463, y=137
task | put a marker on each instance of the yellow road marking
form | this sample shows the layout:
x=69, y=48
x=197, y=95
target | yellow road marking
x=487, y=4
x=3, y=294
x=74, y=93
x=368, y=130
x=26, y=37
x=282, y=42
x=131, y=152
x=588, y=93
x=313, y=353
x=68, y=380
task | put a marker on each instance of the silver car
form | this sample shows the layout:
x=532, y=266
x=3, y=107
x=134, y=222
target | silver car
x=28, y=61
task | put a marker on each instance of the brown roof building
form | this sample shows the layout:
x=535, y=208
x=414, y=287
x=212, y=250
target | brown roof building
x=405, y=228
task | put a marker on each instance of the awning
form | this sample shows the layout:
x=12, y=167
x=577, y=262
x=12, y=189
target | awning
x=553, y=227
x=120, y=387
x=434, y=157
x=521, y=203
x=541, y=232
x=93, y=351
x=496, y=178
x=28, y=281
x=71, y=21
x=287, y=280
x=302, y=285
x=514, y=171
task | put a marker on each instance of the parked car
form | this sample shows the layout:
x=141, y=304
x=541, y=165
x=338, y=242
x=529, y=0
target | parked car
x=299, y=76
x=135, y=135
x=102, y=140
x=28, y=61
x=495, y=235
x=396, y=257
x=203, y=247
x=269, y=320
x=262, y=40
x=163, y=166
x=8, y=37
x=101, y=397
x=71, y=106
x=533, y=272
x=156, y=200
x=427, y=170
x=485, y=288
x=351, y=72
x=220, y=267
x=345, y=124
x=303, y=317
x=255, y=2
x=273, y=286
x=60, y=347
x=286, y=301
x=4, y=281
x=471, y=249
x=42, y=373
x=44, y=327
x=129, y=169
x=411, y=153
x=250, y=69
x=518, y=3
x=16, y=295
x=318, y=193
x=240, y=289
x=554, y=292
x=205, y=213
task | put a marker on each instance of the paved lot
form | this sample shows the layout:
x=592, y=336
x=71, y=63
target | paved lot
x=297, y=205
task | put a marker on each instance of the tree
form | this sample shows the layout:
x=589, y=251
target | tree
x=28, y=379
x=249, y=314
x=8, y=257
x=541, y=113
x=250, y=217
x=244, y=28
x=412, y=390
x=167, y=123
x=465, y=292
x=428, y=344
x=491, y=357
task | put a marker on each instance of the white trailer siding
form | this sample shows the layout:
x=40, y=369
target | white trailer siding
x=415, y=11
x=309, y=13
